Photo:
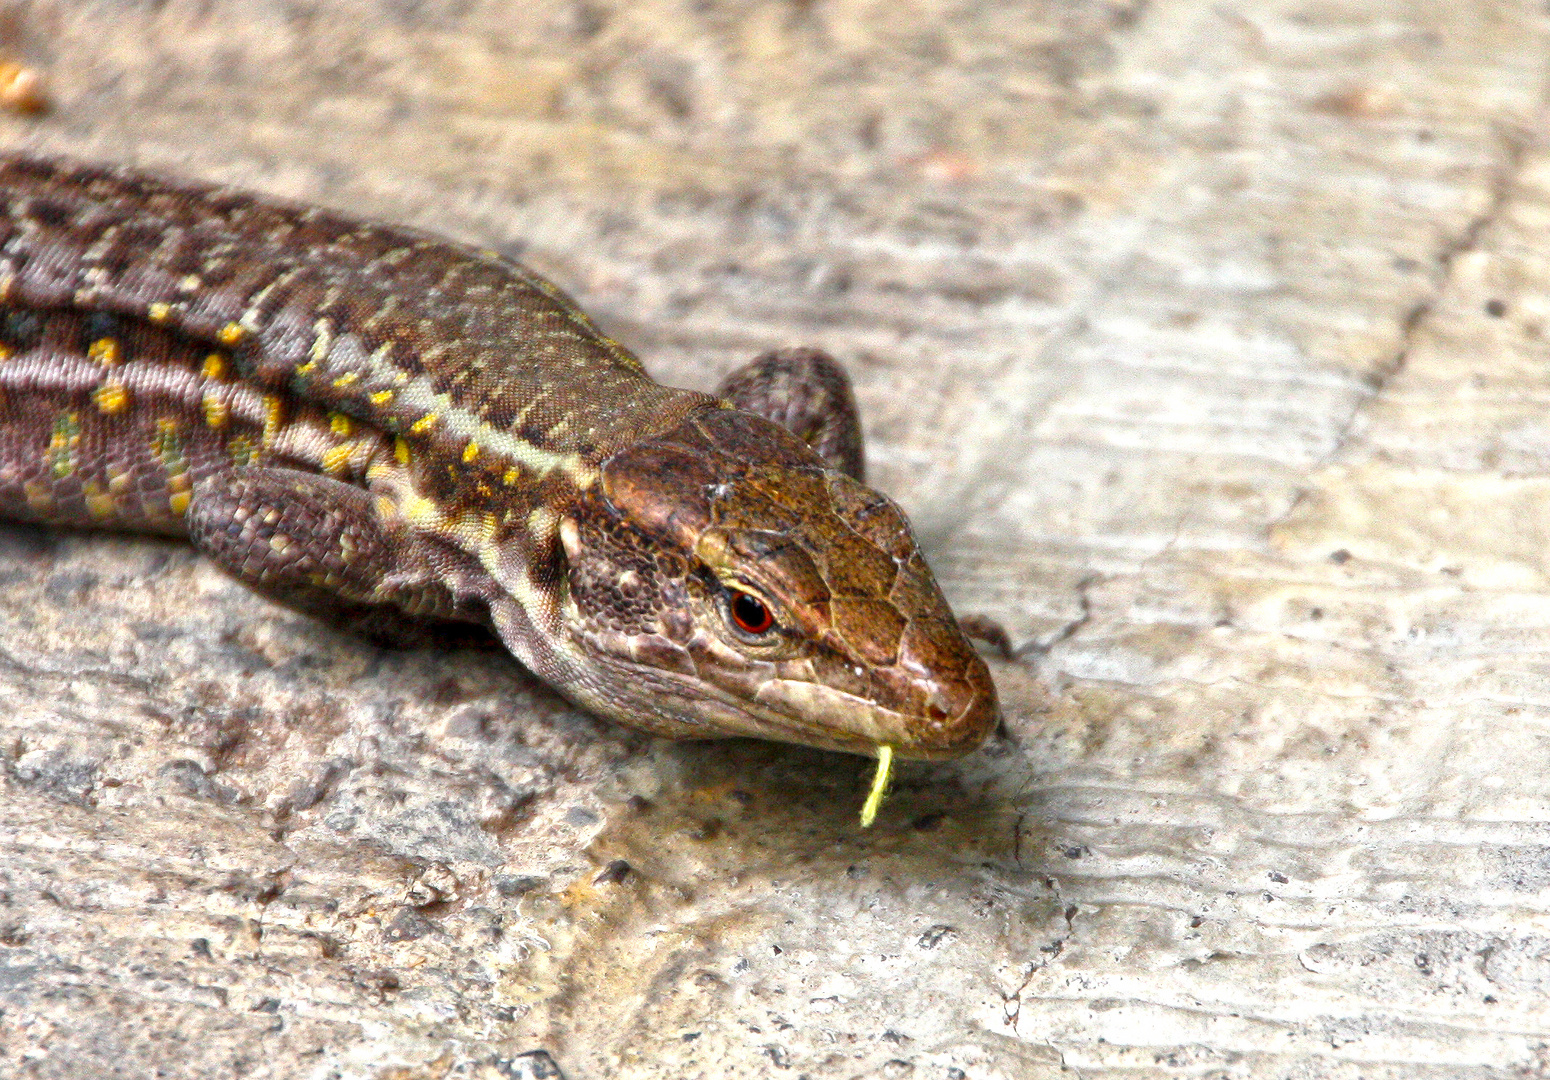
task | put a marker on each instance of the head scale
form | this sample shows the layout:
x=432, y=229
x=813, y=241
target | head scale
x=724, y=582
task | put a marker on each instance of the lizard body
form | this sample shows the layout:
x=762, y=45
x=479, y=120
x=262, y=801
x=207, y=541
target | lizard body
x=364, y=420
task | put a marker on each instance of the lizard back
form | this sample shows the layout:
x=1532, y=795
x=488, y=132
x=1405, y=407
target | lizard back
x=294, y=334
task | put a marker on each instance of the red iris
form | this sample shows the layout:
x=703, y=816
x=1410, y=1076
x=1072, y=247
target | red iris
x=750, y=613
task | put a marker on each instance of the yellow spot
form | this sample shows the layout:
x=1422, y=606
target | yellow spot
x=381, y=397
x=99, y=504
x=230, y=334
x=189, y=282
x=880, y=779
x=470, y=452
x=242, y=450
x=423, y=424
x=111, y=398
x=308, y=368
x=336, y=459
x=511, y=477
x=5, y=353
x=39, y=498
x=349, y=378
x=105, y=351
x=159, y=312
x=63, y=444
x=119, y=482
x=215, y=367
x=484, y=490
x=401, y=451
x=274, y=418
x=341, y=425
x=167, y=446
x=217, y=412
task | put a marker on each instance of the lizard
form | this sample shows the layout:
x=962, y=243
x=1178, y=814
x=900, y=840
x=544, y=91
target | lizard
x=392, y=429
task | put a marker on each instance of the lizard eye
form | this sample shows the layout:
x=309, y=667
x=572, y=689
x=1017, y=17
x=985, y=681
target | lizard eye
x=749, y=613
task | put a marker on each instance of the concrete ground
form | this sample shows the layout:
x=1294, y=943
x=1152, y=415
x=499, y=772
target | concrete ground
x=1208, y=346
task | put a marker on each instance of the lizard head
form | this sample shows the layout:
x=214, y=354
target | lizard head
x=723, y=581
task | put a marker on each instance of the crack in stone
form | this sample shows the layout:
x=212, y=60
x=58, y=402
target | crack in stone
x=1013, y=1002
x=1515, y=148
x=1065, y=633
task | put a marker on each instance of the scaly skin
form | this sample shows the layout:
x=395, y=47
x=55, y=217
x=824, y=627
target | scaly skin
x=366, y=421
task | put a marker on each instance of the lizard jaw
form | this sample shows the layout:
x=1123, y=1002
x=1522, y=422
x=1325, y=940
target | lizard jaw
x=647, y=682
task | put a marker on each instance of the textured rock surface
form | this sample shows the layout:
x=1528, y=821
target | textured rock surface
x=1209, y=347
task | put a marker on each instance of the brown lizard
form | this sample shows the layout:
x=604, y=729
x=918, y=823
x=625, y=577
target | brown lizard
x=388, y=427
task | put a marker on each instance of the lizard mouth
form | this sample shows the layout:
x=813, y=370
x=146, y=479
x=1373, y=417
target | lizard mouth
x=951, y=726
x=956, y=719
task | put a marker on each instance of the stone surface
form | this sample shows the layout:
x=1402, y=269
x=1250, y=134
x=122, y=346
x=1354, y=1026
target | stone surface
x=1209, y=348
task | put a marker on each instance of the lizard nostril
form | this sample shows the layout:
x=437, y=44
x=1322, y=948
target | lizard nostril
x=959, y=714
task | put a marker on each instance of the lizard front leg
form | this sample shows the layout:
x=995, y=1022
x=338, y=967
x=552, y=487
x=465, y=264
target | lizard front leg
x=320, y=545
x=806, y=392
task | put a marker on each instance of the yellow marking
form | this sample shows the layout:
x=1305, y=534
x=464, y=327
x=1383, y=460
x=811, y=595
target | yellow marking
x=880, y=779
x=401, y=451
x=5, y=353
x=166, y=428
x=542, y=521
x=39, y=498
x=215, y=367
x=341, y=425
x=99, y=504
x=484, y=490
x=231, y=333
x=423, y=424
x=349, y=378
x=325, y=338
x=167, y=447
x=470, y=452
x=274, y=418
x=336, y=459
x=308, y=368
x=63, y=444
x=111, y=398
x=511, y=477
x=159, y=312
x=105, y=351
x=421, y=396
x=381, y=397
x=217, y=412
x=476, y=531
x=189, y=282
x=118, y=482
x=242, y=450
